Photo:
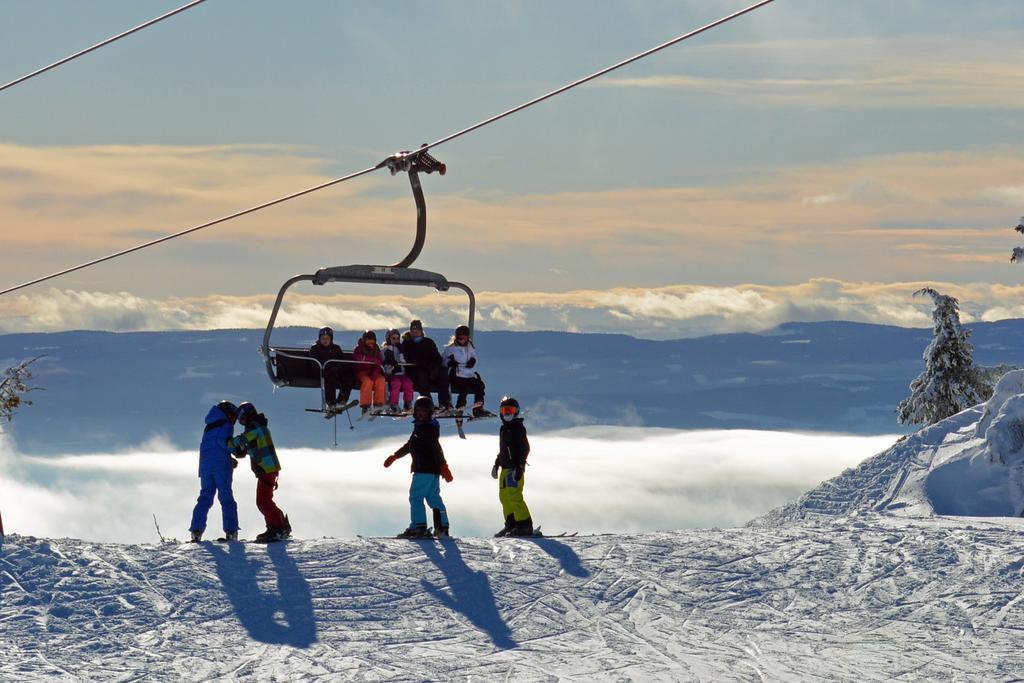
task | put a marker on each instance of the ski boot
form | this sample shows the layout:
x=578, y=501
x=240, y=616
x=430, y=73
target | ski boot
x=271, y=535
x=415, y=532
x=228, y=536
x=510, y=524
x=522, y=528
x=482, y=412
x=196, y=536
x=287, y=527
x=441, y=532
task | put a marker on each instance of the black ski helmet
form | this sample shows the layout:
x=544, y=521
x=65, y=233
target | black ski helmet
x=424, y=402
x=246, y=412
x=326, y=330
x=229, y=409
x=508, y=401
x=462, y=329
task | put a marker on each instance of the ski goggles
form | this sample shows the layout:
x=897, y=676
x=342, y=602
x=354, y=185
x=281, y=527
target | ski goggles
x=509, y=410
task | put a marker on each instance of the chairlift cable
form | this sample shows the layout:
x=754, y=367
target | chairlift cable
x=108, y=41
x=192, y=229
x=402, y=158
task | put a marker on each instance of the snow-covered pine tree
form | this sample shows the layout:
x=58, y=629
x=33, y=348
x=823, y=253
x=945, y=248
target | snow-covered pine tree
x=1018, y=252
x=950, y=381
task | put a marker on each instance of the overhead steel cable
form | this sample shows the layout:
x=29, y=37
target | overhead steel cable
x=108, y=41
x=166, y=238
x=389, y=161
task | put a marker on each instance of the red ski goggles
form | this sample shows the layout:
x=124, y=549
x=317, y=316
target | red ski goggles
x=509, y=410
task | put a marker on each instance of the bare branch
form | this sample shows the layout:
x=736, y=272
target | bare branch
x=14, y=386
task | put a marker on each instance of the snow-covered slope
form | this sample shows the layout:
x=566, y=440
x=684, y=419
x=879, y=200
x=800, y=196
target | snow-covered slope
x=909, y=566
x=877, y=600
x=971, y=464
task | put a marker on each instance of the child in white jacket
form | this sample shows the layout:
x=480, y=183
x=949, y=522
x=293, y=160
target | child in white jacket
x=460, y=357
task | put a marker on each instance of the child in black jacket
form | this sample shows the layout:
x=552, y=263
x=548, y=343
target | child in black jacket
x=510, y=470
x=428, y=466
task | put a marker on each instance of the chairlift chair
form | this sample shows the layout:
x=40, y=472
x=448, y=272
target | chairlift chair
x=293, y=366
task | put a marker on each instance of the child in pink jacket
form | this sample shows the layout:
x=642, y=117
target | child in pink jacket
x=369, y=372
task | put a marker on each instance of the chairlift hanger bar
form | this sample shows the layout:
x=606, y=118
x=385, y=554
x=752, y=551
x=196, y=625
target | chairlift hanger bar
x=395, y=161
x=100, y=44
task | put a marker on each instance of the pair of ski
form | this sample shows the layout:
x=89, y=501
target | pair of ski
x=242, y=540
x=429, y=536
x=330, y=413
x=460, y=415
x=537, y=533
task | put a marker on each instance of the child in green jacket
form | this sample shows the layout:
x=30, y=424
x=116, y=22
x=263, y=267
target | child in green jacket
x=257, y=443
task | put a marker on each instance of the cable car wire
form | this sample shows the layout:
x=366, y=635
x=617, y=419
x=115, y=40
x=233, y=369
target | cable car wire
x=390, y=161
x=166, y=238
x=108, y=41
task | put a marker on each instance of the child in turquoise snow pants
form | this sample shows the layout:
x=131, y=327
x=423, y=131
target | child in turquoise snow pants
x=428, y=466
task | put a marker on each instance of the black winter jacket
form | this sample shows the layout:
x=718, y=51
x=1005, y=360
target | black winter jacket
x=422, y=354
x=324, y=353
x=425, y=446
x=513, y=446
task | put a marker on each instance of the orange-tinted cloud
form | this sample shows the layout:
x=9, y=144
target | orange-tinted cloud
x=921, y=216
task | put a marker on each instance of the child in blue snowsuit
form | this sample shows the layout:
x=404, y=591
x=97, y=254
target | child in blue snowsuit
x=428, y=466
x=215, y=469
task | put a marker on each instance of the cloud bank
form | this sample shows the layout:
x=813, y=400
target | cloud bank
x=676, y=311
x=590, y=479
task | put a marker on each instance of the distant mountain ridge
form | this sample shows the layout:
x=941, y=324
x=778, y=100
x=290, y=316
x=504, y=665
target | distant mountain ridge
x=107, y=390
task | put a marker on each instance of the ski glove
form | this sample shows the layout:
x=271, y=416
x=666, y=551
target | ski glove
x=389, y=460
x=452, y=363
x=471, y=363
x=519, y=473
x=446, y=473
x=494, y=471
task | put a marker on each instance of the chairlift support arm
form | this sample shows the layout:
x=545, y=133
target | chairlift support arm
x=414, y=163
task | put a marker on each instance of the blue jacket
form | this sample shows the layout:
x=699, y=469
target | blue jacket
x=214, y=451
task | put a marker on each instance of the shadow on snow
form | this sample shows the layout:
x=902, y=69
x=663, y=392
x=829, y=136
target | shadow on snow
x=471, y=593
x=566, y=556
x=285, y=617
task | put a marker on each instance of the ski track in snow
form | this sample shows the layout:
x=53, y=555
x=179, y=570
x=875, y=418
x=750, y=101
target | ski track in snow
x=873, y=598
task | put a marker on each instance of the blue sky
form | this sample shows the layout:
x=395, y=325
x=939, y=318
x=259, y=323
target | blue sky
x=873, y=146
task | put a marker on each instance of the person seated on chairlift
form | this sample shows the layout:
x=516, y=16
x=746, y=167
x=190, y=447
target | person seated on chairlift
x=337, y=377
x=369, y=372
x=460, y=357
x=428, y=372
x=399, y=381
